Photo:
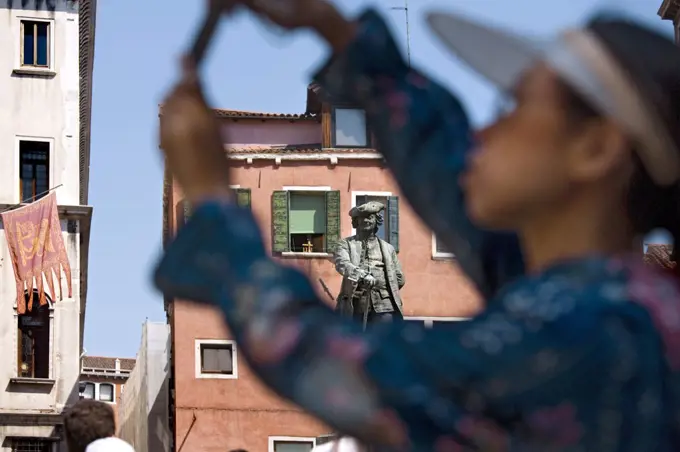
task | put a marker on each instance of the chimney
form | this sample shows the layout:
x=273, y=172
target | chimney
x=117, y=365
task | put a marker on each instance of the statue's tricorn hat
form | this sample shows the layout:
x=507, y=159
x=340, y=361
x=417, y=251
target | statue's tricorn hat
x=371, y=207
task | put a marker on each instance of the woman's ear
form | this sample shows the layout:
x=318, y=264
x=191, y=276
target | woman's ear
x=600, y=149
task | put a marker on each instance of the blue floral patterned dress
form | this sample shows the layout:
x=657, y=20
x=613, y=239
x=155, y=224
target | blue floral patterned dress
x=582, y=357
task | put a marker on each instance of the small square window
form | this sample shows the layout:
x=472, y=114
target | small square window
x=106, y=392
x=35, y=44
x=88, y=391
x=216, y=359
x=439, y=249
x=292, y=445
x=350, y=128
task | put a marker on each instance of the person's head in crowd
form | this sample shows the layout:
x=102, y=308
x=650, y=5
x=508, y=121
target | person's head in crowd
x=86, y=422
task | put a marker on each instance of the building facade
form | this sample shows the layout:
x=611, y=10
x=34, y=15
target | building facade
x=301, y=175
x=670, y=10
x=143, y=411
x=103, y=378
x=46, y=71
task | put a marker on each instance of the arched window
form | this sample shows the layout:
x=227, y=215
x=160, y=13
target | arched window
x=106, y=392
x=33, y=334
x=87, y=390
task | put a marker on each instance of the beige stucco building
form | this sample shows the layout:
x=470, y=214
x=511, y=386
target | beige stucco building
x=45, y=102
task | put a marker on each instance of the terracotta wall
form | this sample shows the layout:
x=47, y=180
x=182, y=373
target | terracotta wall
x=240, y=412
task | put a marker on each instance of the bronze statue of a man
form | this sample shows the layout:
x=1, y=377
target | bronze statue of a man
x=371, y=271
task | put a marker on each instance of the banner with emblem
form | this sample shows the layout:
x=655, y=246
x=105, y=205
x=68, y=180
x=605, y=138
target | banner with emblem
x=37, y=250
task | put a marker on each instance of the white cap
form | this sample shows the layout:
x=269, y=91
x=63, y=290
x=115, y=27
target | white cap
x=111, y=444
x=341, y=445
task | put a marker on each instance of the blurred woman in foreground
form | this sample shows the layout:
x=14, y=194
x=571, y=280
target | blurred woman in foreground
x=579, y=345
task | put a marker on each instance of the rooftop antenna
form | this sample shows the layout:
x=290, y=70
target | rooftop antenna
x=408, y=34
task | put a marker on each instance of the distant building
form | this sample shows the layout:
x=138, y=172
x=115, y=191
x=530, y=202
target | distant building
x=144, y=407
x=670, y=10
x=300, y=174
x=46, y=66
x=660, y=255
x=103, y=378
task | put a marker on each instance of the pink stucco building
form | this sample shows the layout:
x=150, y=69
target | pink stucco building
x=300, y=174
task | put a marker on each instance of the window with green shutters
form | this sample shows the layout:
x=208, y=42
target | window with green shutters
x=305, y=222
x=389, y=230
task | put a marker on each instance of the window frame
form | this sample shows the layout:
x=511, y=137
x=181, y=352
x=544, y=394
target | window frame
x=17, y=154
x=438, y=255
x=428, y=321
x=94, y=390
x=113, y=392
x=199, y=374
x=302, y=189
x=50, y=340
x=50, y=45
x=334, y=144
x=383, y=194
x=297, y=439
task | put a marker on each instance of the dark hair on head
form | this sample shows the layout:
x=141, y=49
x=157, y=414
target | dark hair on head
x=652, y=62
x=378, y=221
x=86, y=422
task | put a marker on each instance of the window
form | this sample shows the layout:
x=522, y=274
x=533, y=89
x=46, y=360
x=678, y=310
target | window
x=35, y=44
x=34, y=163
x=439, y=250
x=216, y=359
x=436, y=322
x=389, y=230
x=291, y=444
x=305, y=220
x=31, y=445
x=88, y=391
x=33, y=354
x=106, y=392
x=349, y=128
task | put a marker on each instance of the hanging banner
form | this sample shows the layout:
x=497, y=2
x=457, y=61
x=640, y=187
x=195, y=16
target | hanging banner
x=37, y=249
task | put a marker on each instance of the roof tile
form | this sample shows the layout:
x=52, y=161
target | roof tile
x=105, y=362
x=658, y=254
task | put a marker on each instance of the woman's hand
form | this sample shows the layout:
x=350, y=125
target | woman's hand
x=319, y=15
x=191, y=140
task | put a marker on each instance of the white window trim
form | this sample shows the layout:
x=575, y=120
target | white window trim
x=197, y=359
x=97, y=392
x=17, y=162
x=300, y=439
x=386, y=194
x=302, y=189
x=439, y=255
x=51, y=56
x=429, y=321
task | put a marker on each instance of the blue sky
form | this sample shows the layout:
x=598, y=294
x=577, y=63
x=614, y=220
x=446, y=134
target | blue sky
x=251, y=68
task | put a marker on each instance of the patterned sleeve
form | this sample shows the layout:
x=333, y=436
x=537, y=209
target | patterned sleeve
x=398, y=383
x=424, y=134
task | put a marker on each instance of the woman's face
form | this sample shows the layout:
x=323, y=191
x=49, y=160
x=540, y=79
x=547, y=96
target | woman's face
x=519, y=168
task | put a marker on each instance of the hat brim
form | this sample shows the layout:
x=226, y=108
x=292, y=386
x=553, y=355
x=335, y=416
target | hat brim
x=497, y=55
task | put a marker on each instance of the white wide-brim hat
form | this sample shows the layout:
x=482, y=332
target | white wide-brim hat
x=111, y=444
x=581, y=60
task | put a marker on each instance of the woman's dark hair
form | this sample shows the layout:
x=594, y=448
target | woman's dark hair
x=653, y=63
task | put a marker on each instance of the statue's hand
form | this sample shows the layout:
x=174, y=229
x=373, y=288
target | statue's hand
x=369, y=280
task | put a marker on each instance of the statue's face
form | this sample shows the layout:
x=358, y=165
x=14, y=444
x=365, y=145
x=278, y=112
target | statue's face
x=368, y=223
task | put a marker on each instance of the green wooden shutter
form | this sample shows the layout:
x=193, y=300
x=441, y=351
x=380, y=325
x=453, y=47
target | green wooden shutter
x=243, y=197
x=393, y=221
x=280, y=236
x=332, y=220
